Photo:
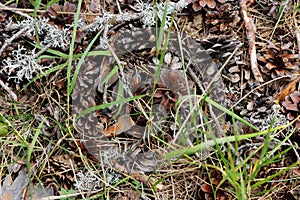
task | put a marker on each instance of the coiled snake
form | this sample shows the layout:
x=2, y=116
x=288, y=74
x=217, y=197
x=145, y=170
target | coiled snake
x=133, y=156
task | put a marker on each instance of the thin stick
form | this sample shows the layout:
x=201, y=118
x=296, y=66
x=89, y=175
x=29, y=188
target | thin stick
x=250, y=28
x=279, y=18
x=15, y=10
x=298, y=40
x=122, y=75
x=22, y=10
x=124, y=17
x=9, y=91
x=297, y=32
x=119, y=63
x=10, y=40
x=42, y=50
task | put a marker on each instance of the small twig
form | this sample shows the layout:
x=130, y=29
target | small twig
x=10, y=40
x=42, y=50
x=122, y=75
x=9, y=91
x=119, y=63
x=105, y=94
x=297, y=33
x=115, y=19
x=15, y=10
x=217, y=122
x=250, y=28
x=294, y=149
x=196, y=79
x=298, y=39
x=119, y=7
x=22, y=10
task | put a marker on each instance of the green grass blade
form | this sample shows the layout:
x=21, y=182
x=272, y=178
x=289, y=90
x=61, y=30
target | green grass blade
x=36, y=5
x=259, y=183
x=31, y=146
x=232, y=114
x=70, y=58
x=102, y=106
x=81, y=61
x=210, y=143
x=111, y=73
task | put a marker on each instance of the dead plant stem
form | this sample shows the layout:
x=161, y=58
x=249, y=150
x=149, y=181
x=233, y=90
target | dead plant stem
x=10, y=40
x=9, y=91
x=250, y=28
x=17, y=10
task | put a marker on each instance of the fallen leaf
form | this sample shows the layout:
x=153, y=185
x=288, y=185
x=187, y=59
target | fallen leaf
x=123, y=124
x=38, y=192
x=289, y=89
x=14, y=190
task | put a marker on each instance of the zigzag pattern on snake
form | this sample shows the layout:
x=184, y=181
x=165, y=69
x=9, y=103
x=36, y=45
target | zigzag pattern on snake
x=97, y=68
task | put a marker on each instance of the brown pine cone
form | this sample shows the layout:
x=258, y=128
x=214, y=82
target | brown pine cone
x=223, y=19
x=59, y=174
x=279, y=61
x=291, y=106
x=199, y=4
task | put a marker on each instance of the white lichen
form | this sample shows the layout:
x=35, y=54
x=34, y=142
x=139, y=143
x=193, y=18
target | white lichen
x=90, y=181
x=22, y=65
x=87, y=181
x=55, y=36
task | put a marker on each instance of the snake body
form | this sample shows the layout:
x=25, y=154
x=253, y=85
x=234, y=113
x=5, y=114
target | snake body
x=95, y=70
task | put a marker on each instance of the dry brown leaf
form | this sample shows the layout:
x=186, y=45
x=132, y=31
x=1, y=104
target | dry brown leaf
x=18, y=189
x=123, y=124
x=289, y=89
x=14, y=190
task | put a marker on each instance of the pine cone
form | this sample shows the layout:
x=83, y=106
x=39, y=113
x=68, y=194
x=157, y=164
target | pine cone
x=128, y=195
x=59, y=174
x=199, y=4
x=278, y=62
x=223, y=19
x=84, y=97
x=291, y=106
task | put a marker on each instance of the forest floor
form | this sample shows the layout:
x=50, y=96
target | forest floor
x=130, y=99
